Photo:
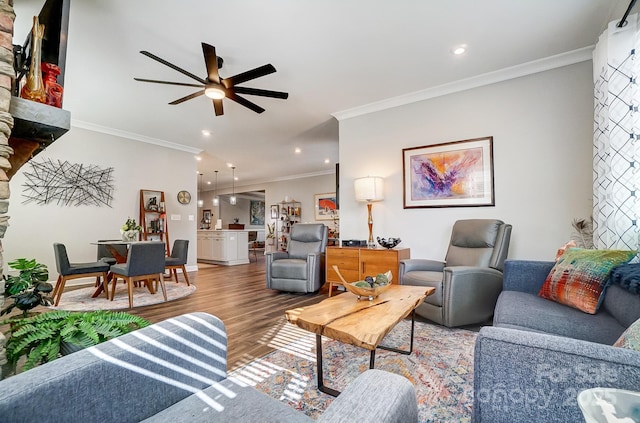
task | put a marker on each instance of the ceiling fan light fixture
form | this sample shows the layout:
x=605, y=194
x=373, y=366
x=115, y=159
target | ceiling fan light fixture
x=215, y=92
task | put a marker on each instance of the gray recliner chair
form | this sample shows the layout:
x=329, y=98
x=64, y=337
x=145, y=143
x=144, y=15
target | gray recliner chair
x=469, y=281
x=301, y=267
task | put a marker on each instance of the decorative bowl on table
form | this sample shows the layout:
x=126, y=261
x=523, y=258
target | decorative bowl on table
x=388, y=243
x=365, y=290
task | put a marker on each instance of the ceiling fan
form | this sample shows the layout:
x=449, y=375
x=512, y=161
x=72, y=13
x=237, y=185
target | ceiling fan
x=217, y=88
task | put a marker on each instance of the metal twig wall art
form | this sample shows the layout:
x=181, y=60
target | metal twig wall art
x=68, y=184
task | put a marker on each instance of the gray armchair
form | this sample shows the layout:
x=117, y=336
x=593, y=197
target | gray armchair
x=469, y=281
x=301, y=267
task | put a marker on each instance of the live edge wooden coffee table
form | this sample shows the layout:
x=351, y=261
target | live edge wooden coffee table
x=359, y=322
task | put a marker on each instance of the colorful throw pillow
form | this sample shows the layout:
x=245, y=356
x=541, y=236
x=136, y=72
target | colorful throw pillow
x=579, y=276
x=630, y=338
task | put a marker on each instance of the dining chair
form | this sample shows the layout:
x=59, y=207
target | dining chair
x=111, y=253
x=67, y=270
x=145, y=262
x=253, y=243
x=178, y=259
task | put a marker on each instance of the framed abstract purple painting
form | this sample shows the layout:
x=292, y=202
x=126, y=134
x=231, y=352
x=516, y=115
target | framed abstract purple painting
x=452, y=174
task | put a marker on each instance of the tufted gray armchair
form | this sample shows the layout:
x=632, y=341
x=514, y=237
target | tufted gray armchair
x=469, y=281
x=301, y=267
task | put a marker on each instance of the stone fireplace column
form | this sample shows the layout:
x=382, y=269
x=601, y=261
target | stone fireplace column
x=7, y=76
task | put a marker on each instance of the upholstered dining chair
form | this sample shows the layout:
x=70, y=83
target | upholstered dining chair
x=469, y=280
x=145, y=262
x=301, y=267
x=178, y=259
x=253, y=244
x=67, y=270
x=106, y=252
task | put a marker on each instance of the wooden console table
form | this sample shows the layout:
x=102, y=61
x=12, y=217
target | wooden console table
x=355, y=263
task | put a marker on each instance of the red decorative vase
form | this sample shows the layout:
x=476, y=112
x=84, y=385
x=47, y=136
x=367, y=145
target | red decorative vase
x=51, y=86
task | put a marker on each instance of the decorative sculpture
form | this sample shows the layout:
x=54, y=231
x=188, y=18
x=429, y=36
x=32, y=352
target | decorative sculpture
x=68, y=184
x=52, y=89
x=34, y=87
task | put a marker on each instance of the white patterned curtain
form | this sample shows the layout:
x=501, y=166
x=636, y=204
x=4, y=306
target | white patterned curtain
x=616, y=137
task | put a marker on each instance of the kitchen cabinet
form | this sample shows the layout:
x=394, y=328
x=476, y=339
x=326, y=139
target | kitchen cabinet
x=225, y=247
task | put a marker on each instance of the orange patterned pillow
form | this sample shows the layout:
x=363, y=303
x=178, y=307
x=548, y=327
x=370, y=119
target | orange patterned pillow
x=579, y=277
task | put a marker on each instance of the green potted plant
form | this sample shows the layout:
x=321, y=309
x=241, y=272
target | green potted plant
x=29, y=288
x=46, y=336
x=271, y=233
x=130, y=230
x=30, y=272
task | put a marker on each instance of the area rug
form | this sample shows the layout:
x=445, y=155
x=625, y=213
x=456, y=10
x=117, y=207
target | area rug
x=440, y=368
x=80, y=299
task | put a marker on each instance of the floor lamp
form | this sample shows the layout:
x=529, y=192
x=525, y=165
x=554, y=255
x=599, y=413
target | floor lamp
x=369, y=189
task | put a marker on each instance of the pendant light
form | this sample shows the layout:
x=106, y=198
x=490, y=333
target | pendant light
x=200, y=200
x=216, y=199
x=233, y=200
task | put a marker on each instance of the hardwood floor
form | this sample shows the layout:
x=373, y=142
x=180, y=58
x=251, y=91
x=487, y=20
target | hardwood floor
x=238, y=296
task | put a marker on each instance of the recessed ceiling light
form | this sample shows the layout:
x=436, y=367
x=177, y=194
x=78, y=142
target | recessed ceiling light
x=208, y=182
x=327, y=160
x=235, y=178
x=297, y=150
x=458, y=50
x=206, y=133
x=229, y=164
x=198, y=158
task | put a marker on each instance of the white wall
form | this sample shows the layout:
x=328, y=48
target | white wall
x=34, y=227
x=542, y=131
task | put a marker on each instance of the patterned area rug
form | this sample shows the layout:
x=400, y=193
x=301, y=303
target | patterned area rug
x=440, y=368
x=80, y=299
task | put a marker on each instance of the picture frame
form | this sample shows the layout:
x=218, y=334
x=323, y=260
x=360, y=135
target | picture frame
x=275, y=211
x=451, y=174
x=256, y=212
x=325, y=206
x=206, y=215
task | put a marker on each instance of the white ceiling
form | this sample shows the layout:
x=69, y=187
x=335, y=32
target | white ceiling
x=331, y=56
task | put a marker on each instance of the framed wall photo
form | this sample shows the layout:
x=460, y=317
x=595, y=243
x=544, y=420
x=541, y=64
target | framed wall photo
x=275, y=211
x=325, y=205
x=206, y=215
x=256, y=212
x=452, y=174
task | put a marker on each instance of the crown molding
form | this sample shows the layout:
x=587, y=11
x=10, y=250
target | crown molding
x=541, y=65
x=132, y=136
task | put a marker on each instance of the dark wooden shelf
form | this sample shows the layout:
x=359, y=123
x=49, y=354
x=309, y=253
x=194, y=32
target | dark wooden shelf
x=38, y=121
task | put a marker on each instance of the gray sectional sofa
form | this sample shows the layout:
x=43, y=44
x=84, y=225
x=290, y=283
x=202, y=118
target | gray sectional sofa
x=176, y=371
x=538, y=355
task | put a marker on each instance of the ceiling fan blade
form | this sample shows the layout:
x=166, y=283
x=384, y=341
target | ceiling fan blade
x=174, y=67
x=248, y=75
x=188, y=97
x=246, y=103
x=211, y=60
x=217, y=106
x=262, y=93
x=183, y=84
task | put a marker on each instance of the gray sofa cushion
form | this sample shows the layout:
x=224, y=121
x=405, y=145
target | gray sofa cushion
x=248, y=405
x=622, y=304
x=529, y=312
